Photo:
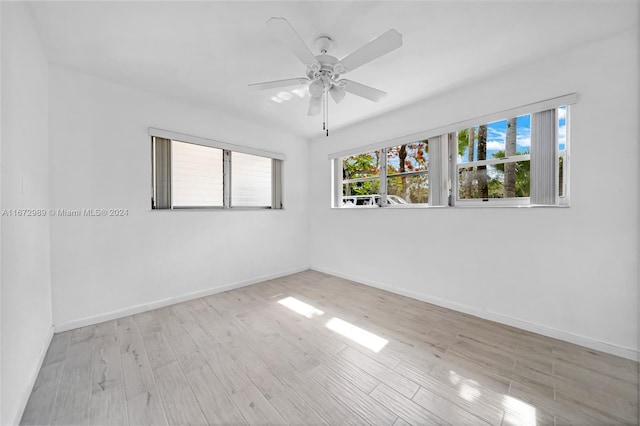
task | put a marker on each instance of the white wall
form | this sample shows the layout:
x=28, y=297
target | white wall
x=569, y=273
x=103, y=267
x=1, y=121
x=25, y=255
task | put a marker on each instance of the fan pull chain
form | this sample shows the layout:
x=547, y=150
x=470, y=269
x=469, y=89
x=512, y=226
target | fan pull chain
x=327, y=102
x=324, y=115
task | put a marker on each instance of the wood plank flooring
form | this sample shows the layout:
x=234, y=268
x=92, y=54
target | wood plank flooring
x=311, y=348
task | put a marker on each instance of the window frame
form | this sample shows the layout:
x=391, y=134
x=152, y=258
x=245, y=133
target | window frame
x=515, y=201
x=382, y=157
x=173, y=206
x=426, y=172
x=565, y=154
x=227, y=149
x=448, y=166
x=383, y=177
x=230, y=168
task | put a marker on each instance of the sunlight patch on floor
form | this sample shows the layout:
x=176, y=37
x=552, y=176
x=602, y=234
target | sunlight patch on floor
x=517, y=412
x=467, y=389
x=300, y=307
x=470, y=393
x=357, y=334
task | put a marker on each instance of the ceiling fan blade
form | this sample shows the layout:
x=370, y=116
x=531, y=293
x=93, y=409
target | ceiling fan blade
x=382, y=45
x=337, y=93
x=362, y=90
x=279, y=83
x=285, y=32
x=315, y=106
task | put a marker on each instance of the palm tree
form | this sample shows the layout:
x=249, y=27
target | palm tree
x=466, y=141
x=483, y=187
x=510, y=168
x=402, y=156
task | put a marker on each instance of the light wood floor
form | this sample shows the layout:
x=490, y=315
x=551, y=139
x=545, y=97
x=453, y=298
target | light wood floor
x=301, y=350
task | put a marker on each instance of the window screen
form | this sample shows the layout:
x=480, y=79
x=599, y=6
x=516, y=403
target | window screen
x=251, y=180
x=197, y=175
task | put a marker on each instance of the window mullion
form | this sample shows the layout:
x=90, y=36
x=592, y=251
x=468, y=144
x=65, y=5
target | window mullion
x=408, y=174
x=356, y=180
x=383, y=177
x=493, y=161
x=226, y=178
x=452, y=181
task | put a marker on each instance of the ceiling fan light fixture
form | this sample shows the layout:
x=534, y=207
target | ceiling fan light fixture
x=316, y=88
x=337, y=93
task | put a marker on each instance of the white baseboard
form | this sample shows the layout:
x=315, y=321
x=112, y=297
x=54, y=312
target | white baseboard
x=588, y=342
x=26, y=392
x=131, y=310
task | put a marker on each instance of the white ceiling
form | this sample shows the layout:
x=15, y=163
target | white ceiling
x=206, y=53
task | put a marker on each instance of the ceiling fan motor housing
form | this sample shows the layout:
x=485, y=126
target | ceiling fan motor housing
x=330, y=69
x=327, y=65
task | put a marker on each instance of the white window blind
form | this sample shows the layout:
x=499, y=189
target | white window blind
x=197, y=175
x=438, y=163
x=543, y=158
x=161, y=157
x=251, y=180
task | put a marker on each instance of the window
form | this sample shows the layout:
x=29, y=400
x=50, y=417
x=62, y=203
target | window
x=393, y=176
x=494, y=160
x=562, y=153
x=514, y=158
x=407, y=173
x=197, y=175
x=250, y=180
x=361, y=179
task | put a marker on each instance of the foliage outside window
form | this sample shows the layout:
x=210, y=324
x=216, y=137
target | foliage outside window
x=494, y=160
x=407, y=173
x=361, y=178
x=397, y=175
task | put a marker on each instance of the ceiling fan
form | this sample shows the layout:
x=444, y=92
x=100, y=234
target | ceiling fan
x=323, y=71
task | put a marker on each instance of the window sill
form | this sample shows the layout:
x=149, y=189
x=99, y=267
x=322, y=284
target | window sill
x=507, y=206
x=458, y=207
x=212, y=209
